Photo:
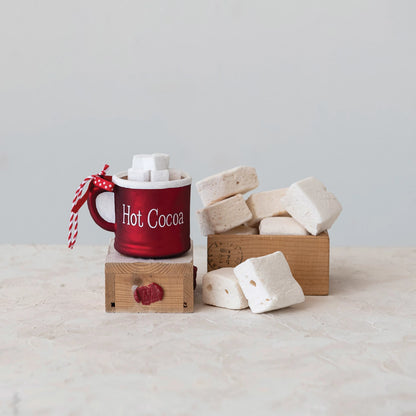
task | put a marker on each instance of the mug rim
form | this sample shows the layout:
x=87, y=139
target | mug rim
x=125, y=183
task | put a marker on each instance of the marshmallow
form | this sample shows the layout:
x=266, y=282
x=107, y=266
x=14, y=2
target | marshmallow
x=161, y=161
x=267, y=283
x=224, y=215
x=159, y=175
x=266, y=204
x=143, y=162
x=225, y=184
x=156, y=161
x=310, y=204
x=242, y=230
x=174, y=174
x=138, y=175
x=220, y=288
x=281, y=226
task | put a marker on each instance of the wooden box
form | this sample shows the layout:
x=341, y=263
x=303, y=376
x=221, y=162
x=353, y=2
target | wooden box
x=308, y=256
x=174, y=275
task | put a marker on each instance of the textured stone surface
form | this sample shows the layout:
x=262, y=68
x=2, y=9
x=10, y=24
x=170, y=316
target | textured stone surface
x=352, y=352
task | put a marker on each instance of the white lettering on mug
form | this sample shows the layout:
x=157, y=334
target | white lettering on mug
x=162, y=217
x=139, y=219
x=154, y=219
x=148, y=218
x=126, y=214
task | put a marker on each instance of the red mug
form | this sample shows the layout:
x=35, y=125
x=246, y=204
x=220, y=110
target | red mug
x=152, y=219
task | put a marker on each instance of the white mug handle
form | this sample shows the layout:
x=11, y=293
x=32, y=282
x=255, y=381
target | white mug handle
x=106, y=207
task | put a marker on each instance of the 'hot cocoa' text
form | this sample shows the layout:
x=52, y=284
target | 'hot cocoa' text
x=153, y=219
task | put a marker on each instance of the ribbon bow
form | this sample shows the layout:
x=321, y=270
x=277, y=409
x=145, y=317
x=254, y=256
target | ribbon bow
x=80, y=199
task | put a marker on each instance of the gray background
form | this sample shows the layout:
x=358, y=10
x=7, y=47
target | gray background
x=293, y=88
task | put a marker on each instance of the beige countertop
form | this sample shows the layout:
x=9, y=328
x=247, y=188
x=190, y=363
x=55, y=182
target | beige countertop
x=350, y=353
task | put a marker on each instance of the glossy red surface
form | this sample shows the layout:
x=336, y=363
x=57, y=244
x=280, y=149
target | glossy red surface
x=149, y=223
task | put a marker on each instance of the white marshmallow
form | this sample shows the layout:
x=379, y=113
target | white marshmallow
x=228, y=183
x=140, y=161
x=242, y=230
x=161, y=161
x=138, y=175
x=220, y=288
x=155, y=161
x=266, y=204
x=174, y=174
x=267, y=283
x=281, y=226
x=310, y=204
x=224, y=215
x=159, y=175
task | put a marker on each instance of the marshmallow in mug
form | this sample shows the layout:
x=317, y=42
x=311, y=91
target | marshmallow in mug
x=155, y=161
x=152, y=168
x=174, y=174
x=159, y=175
x=140, y=175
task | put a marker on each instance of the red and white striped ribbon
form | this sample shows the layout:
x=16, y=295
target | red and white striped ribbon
x=77, y=203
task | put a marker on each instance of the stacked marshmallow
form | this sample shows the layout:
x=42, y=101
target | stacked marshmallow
x=224, y=205
x=263, y=283
x=306, y=207
x=152, y=168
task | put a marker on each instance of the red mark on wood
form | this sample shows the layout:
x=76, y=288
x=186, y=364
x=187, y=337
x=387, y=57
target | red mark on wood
x=195, y=274
x=148, y=294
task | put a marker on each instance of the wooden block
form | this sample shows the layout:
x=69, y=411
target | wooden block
x=174, y=275
x=308, y=256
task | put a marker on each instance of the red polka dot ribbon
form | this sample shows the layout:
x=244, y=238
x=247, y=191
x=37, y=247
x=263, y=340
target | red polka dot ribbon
x=81, y=196
x=103, y=183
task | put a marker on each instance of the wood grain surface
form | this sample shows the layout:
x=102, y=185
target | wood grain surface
x=308, y=256
x=176, y=279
